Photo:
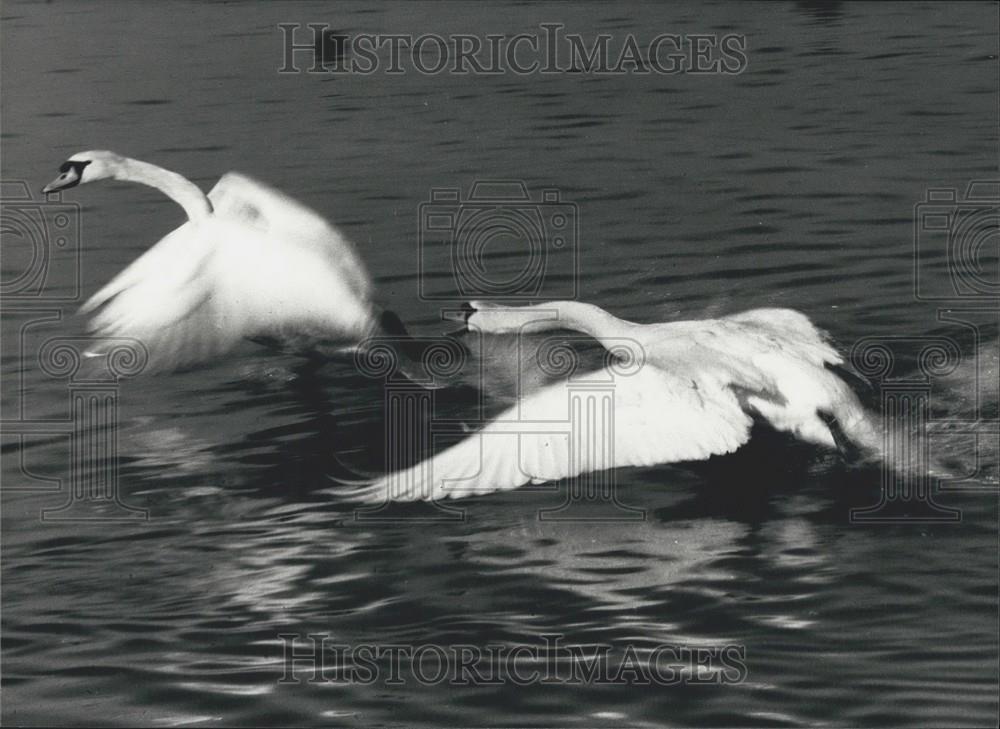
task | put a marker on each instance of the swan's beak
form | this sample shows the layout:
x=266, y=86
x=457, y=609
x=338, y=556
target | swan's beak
x=67, y=179
x=462, y=314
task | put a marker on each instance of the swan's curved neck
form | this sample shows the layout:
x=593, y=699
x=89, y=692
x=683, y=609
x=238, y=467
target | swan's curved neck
x=178, y=188
x=576, y=315
x=590, y=319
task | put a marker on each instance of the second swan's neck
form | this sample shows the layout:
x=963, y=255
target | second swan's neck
x=575, y=315
x=178, y=188
x=591, y=319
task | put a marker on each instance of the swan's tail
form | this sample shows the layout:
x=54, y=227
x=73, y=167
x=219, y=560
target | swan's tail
x=856, y=432
x=892, y=441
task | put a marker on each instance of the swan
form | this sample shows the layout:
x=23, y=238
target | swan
x=689, y=390
x=249, y=262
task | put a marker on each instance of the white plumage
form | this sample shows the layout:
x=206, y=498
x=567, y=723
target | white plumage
x=253, y=262
x=690, y=396
x=249, y=262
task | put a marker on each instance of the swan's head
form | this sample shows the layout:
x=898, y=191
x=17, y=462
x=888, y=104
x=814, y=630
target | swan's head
x=84, y=167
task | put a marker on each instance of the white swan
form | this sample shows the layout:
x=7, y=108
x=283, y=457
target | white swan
x=249, y=262
x=692, y=393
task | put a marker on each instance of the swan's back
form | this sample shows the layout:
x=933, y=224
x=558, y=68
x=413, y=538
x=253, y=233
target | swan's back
x=778, y=361
x=794, y=332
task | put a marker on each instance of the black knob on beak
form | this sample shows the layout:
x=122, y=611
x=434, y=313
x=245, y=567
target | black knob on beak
x=462, y=315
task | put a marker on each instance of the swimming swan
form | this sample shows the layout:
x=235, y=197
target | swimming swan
x=690, y=390
x=249, y=262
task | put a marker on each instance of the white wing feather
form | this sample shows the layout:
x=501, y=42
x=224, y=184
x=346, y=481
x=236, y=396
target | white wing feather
x=261, y=264
x=657, y=418
x=241, y=198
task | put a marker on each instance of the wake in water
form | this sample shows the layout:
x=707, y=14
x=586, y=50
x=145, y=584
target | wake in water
x=965, y=431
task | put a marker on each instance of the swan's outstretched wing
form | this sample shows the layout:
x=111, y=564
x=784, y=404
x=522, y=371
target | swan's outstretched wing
x=641, y=419
x=262, y=264
x=164, y=300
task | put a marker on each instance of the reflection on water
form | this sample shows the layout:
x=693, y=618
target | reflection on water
x=792, y=184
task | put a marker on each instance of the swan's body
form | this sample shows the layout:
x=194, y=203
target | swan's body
x=693, y=393
x=249, y=262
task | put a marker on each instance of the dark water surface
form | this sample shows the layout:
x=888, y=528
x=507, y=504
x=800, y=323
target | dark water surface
x=791, y=184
